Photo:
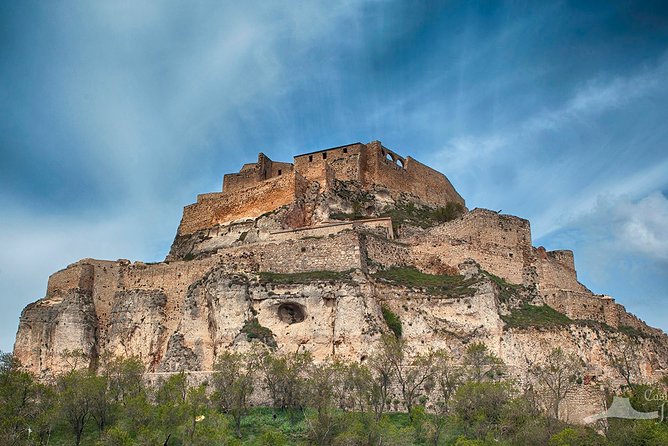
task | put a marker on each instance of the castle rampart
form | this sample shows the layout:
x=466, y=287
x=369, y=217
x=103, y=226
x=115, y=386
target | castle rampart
x=267, y=185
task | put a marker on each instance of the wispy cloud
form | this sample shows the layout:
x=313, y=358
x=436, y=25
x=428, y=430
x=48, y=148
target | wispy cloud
x=117, y=114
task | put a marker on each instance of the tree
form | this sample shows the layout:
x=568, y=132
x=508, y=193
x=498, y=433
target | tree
x=479, y=406
x=482, y=364
x=321, y=394
x=171, y=412
x=77, y=390
x=382, y=370
x=196, y=404
x=100, y=405
x=75, y=359
x=447, y=378
x=411, y=373
x=557, y=376
x=233, y=383
x=124, y=376
x=626, y=360
x=20, y=398
x=360, y=385
x=283, y=377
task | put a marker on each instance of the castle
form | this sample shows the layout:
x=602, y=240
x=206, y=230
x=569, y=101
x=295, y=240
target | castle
x=267, y=185
x=307, y=251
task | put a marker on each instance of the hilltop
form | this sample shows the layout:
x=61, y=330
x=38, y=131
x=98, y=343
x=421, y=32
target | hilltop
x=326, y=254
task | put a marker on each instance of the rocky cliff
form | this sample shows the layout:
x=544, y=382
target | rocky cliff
x=315, y=274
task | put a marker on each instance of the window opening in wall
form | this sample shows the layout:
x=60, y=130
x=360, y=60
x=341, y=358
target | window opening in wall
x=400, y=163
x=389, y=157
x=345, y=150
x=279, y=171
x=310, y=158
x=324, y=155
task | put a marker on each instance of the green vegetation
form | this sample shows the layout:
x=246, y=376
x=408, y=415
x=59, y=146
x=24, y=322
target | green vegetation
x=632, y=331
x=535, y=316
x=392, y=320
x=347, y=216
x=407, y=213
x=423, y=216
x=305, y=277
x=254, y=330
x=435, y=399
x=507, y=291
x=452, y=286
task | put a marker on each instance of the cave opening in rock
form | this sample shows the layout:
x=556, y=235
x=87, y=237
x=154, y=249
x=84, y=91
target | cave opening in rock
x=291, y=313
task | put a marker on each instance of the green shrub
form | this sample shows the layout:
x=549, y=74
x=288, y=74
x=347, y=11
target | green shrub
x=450, y=212
x=392, y=320
x=454, y=286
x=535, y=316
x=506, y=290
x=254, y=330
x=631, y=331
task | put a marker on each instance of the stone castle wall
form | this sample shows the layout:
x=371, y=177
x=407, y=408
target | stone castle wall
x=386, y=168
x=213, y=209
x=267, y=185
x=252, y=174
x=326, y=229
x=345, y=161
x=501, y=244
x=556, y=271
x=380, y=250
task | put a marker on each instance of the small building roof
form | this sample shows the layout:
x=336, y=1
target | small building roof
x=330, y=148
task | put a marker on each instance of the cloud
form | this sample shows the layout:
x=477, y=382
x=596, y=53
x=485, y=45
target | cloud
x=641, y=227
x=140, y=109
x=600, y=94
x=591, y=98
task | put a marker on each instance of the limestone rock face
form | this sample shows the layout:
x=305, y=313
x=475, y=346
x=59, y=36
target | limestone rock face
x=51, y=327
x=314, y=275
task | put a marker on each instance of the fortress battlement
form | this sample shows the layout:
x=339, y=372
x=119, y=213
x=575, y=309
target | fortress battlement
x=267, y=185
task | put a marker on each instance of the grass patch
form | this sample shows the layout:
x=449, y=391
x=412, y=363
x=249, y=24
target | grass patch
x=392, y=320
x=631, y=331
x=254, y=330
x=408, y=213
x=423, y=216
x=506, y=290
x=535, y=316
x=595, y=325
x=305, y=277
x=347, y=216
x=454, y=286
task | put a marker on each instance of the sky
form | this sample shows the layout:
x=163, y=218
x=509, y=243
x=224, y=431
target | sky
x=115, y=115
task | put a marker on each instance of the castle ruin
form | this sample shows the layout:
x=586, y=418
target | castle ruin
x=303, y=249
x=267, y=185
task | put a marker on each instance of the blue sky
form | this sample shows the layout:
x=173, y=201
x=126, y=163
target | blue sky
x=116, y=114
